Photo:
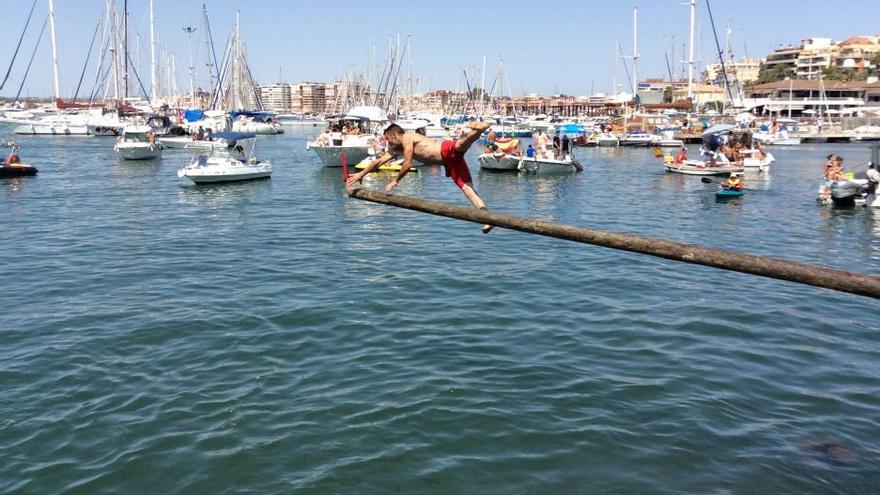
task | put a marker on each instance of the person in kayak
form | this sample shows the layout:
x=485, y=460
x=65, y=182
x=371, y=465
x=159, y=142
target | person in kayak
x=449, y=153
x=733, y=183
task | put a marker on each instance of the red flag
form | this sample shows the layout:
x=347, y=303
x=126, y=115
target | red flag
x=344, y=168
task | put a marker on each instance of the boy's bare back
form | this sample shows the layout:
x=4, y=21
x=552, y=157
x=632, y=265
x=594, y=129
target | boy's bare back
x=425, y=150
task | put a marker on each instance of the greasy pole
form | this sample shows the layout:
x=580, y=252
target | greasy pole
x=802, y=273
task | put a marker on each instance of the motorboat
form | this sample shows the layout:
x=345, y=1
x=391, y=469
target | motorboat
x=854, y=190
x=294, y=119
x=256, y=123
x=355, y=145
x=217, y=140
x=667, y=140
x=714, y=162
x=504, y=162
x=637, y=138
x=138, y=143
x=230, y=163
x=606, y=139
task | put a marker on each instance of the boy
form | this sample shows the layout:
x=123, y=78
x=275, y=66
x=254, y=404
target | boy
x=449, y=153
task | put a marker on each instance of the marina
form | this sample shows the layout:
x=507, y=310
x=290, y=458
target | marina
x=641, y=291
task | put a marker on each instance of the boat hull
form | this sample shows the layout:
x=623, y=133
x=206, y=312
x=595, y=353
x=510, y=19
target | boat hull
x=52, y=130
x=699, y=168
x=213, y=174
x=146, y=152
x=17, y=170
x=497, y=162
x=331, y=156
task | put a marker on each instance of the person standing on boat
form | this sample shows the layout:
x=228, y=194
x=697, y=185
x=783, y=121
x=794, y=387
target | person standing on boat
x=450, y=154
x=541, y=143
x=557, y=147
x=530, y=152
x=566, y=145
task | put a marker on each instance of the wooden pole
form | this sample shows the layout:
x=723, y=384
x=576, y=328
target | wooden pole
x=802, y=273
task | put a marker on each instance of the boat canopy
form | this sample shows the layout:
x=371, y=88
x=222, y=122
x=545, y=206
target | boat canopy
x=193, y=115
x=374, y=114
x=137, y=129
x=259, y=116
x=232, y=137
x=718, y=129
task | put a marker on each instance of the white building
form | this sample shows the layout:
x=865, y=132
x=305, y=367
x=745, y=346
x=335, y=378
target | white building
x=816, y=54
x=276, y=97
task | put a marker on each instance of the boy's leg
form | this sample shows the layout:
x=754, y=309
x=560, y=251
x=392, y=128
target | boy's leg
x=477, y=201
x=470, y=137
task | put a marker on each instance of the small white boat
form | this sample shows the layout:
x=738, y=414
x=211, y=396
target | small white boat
x=638, y=138
x=228, y=164
x=532, y=165
x=607, y=139
x=667, y=140
x=703, y=167
x=138, y=143
x=499, y=162
x=257, y=125
x=756, y=160
x=330, y=146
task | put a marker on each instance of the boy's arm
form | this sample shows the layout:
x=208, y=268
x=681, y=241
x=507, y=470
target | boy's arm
x=408, y=147
x=372, y=167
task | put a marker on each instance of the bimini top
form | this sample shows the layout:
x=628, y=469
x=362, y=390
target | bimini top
x=718, y=129
x=233, y=136
x=374, y=114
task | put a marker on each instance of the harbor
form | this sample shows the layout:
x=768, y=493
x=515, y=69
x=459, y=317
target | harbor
x=201, y=296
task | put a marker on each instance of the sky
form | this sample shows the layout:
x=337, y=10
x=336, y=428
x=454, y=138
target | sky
x=561, y=47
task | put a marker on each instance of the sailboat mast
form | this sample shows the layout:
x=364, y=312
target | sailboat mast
x=54, y=52
x=125, y=49
x=154, y=82
x=691, y=54
x=482, y=85
x=635, y=81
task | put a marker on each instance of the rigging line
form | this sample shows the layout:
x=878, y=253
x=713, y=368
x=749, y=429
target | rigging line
x=15, y=54
x=86, y=65
x=99, y=80
x=137, y=76
x=23, y=79
x=720, y=54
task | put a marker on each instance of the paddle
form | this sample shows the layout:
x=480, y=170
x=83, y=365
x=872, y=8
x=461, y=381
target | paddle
x=709, y=180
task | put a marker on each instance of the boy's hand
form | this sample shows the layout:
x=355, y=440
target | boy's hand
x=391, y=185
x=354, y=179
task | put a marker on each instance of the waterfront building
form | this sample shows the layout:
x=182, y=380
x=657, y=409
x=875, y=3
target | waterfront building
x=856, y=52
x=276, y=97
x=744, y=71
x=810, y=97
x=785, y=56
x=815, y=55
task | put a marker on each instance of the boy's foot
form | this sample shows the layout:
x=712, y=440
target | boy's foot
x=487, y=228
x=479, y=126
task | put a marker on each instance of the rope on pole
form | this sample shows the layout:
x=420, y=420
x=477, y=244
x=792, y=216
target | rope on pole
x=802, y=273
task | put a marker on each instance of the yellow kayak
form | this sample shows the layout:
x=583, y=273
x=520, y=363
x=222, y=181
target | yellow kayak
x=392, y=166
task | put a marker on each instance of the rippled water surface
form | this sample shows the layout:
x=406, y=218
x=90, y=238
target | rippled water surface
x=277, y=337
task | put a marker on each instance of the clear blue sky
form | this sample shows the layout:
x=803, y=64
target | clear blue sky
x=563, y=48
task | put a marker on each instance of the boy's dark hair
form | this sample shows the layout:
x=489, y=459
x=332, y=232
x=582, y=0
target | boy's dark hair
x=394, y=129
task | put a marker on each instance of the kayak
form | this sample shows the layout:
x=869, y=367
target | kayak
x=17, y=170
x=392, y=166
x=729, y=193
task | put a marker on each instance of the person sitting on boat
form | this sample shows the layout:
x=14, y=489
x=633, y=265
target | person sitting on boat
x=733, y=183
x=151, y=137
x=530, y=152
x=836, y=172
x=209, y=134
x=828, y=167
x=682, y=156
x=13, y=157
x=200, y=134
